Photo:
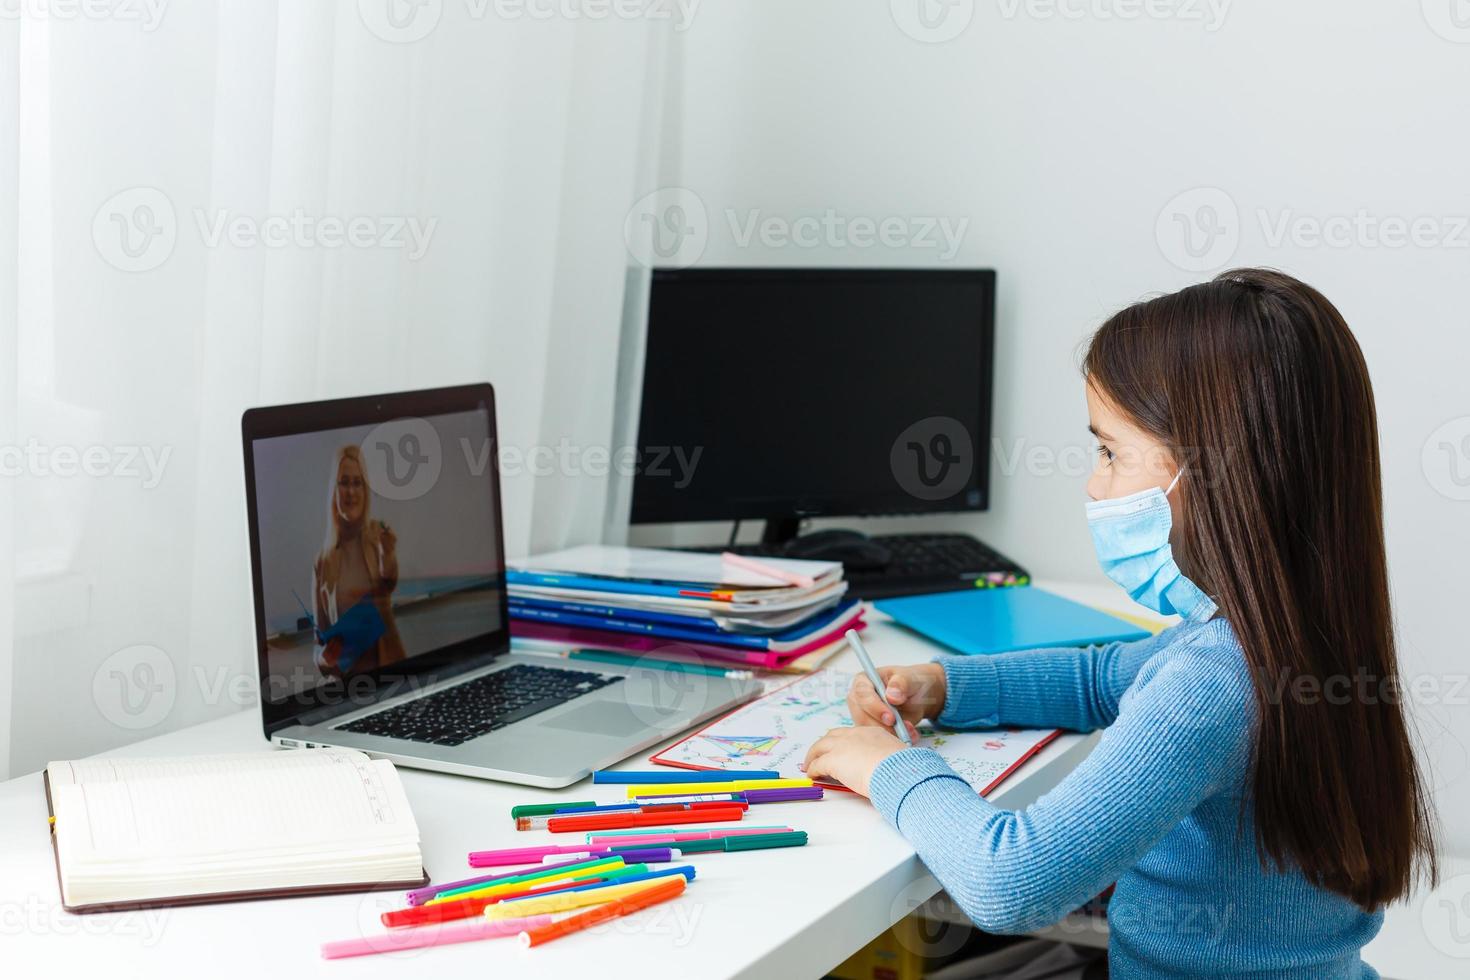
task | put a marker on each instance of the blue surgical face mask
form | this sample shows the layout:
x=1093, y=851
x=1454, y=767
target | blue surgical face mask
x=1131, y=535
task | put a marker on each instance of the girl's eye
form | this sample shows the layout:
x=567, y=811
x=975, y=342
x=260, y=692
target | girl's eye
x=1105, y=453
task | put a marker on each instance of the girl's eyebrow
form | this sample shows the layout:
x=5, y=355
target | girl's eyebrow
x=1093, y=429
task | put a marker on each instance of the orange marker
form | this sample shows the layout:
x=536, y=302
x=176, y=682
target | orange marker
x=662, y=892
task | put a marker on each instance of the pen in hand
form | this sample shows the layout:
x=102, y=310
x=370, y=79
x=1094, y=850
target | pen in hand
x=899, y=728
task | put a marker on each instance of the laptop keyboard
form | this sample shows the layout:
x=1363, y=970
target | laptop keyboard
x=457, y=714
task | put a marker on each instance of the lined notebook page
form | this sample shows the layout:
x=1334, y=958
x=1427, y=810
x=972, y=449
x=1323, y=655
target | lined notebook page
x=278, y=801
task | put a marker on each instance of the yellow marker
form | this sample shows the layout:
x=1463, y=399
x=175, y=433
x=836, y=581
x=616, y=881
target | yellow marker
x=734, y=786
x=500, y=888
x=563, y=901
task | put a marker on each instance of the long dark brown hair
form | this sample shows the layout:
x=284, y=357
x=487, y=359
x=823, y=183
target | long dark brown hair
x=1259, y=390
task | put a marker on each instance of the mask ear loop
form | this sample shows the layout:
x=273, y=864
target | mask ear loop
x=1174, y=481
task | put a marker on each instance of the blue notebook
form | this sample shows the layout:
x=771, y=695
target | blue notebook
x=1015, y=618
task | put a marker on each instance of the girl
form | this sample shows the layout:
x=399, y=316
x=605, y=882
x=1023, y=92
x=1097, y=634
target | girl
x=1254, y=794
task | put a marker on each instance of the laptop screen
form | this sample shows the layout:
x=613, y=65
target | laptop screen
x=376, y=550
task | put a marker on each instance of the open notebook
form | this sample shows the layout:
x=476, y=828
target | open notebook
x=138, y=832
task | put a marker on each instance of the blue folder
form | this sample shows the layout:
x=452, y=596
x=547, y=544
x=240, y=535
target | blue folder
x=1016, y=618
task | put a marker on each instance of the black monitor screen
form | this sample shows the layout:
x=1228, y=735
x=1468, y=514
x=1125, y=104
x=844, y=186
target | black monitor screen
x=783, y=393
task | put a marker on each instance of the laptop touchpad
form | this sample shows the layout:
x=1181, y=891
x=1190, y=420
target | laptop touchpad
x=600, y=719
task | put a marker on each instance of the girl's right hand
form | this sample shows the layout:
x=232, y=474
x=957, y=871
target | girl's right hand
x=916, y=692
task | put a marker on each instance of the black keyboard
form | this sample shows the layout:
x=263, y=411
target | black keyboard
x=457, y=714
x=918, y=563
x=934, y=563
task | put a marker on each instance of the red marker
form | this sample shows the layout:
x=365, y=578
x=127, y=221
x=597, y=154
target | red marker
x=543, y=820
x=625, y=819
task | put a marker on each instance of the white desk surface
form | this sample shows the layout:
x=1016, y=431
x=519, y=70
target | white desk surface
x=793, y=912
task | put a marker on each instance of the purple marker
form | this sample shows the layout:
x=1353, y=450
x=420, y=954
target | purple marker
x=788, y=795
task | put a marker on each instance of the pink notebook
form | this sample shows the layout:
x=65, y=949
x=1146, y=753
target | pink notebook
x=639, y=643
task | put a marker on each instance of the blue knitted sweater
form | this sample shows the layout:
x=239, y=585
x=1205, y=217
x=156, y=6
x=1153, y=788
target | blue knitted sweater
x=1155, y=808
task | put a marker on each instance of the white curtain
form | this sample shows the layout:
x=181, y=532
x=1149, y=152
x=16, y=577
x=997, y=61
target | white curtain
x=216, y=204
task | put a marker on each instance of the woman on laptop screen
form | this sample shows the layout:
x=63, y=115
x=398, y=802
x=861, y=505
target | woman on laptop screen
x=354, y=576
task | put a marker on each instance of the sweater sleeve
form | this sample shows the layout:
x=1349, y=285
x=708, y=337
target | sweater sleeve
x=1183, y=736
x=1063, y=687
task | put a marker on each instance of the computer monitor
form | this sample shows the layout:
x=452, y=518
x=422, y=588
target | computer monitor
x=790, y=393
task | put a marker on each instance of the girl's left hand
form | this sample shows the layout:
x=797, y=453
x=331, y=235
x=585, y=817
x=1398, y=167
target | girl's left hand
x=849, y=755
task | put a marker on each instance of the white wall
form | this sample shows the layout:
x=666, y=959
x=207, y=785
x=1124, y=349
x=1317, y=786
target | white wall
x=518, y=136
x=1063, y=141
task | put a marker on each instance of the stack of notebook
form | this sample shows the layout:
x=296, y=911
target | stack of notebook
x=773, y=614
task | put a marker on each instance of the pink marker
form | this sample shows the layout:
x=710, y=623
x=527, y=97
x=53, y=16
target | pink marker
x=438, y=934
x=521, y=855
x=769, y=571
x=674, y=838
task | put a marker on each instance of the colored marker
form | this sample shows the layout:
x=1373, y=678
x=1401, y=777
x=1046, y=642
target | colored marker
x=768, y=570
x=647, y=663
x=464, y=908
x=687, y=871
x=744, y=796
x=899, y=728
x=532, y=809
x=663, y=799
x=421, y=895
x=610, y=821
x=673, y=837
x=754, y=842
x=587, y=808
x=459, y=932
x=499, y=892
x=783, y=795
x=719, y=786
x=476, y=891
x=569, y=900
x=663, y=891
x=670, y=809
x=682, y=775
x=646, y=855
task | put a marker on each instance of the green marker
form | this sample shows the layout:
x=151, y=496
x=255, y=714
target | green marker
x=542, y=809
x=607, y=862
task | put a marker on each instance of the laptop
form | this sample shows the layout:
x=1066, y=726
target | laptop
x=378, y=566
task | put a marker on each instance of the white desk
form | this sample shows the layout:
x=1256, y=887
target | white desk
x=793, y=912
